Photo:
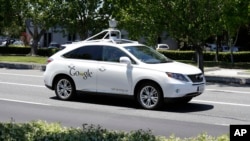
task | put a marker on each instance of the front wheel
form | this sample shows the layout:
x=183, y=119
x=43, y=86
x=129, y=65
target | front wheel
x=149, y=96
x=64, y=88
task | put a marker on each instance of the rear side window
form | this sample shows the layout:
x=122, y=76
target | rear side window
x=86, y=53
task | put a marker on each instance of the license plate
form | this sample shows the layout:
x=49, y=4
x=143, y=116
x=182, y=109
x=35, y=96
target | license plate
x=200, y=88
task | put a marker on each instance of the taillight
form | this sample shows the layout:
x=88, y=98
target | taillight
x=49, y=60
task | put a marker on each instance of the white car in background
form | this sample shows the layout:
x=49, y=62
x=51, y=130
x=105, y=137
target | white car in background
x=224, y=48
x=112, y=65
x=3, y=43
x=162, y=47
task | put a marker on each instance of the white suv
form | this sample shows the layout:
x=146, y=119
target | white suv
x=112, y=65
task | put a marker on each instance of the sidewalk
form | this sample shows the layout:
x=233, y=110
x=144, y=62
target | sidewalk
x=218, y=75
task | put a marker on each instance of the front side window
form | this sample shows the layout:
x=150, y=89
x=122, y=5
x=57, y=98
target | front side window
x=112, y=54
x=86, y=53
x=147, y=55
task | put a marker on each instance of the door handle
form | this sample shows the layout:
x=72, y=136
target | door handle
x=102, y=69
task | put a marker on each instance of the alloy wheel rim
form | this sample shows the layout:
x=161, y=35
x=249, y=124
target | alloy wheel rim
x=149, y=96
x=64, y=88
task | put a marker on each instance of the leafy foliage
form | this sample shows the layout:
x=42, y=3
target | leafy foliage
x=189, y=21
x=42, y=131
x=84, y=16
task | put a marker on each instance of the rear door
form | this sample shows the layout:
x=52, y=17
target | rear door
x=82, y=66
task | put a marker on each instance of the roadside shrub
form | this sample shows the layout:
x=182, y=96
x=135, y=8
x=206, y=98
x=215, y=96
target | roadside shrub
x=46, y=51
x=26, y=50
x=242, y=56
x=15, y=50
x=43, y=131
x=179, y=55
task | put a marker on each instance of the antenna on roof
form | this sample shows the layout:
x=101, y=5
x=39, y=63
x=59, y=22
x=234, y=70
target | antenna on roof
x=112, y=23
x=110, y=33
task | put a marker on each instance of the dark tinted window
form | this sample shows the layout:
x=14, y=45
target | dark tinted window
x=147, y=55
x=86, y=52
x=112, y=54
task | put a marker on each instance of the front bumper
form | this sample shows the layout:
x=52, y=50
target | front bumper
x=178, y=90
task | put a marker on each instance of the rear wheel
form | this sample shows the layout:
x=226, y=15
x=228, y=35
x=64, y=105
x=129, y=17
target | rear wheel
x=149, y=96
x=64, y=88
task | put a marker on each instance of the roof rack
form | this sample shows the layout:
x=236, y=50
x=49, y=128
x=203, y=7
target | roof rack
x=112, y=35
x=109, y=35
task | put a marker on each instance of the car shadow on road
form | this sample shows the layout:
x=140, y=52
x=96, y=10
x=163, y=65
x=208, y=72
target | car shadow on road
x=108, y=100
x=129, y=102
x=187, y=108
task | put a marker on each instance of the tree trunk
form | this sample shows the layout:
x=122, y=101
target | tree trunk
x=200, y=60
x=36, y=36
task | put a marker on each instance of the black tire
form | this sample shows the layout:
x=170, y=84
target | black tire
x=65, y=88
x=149, y=96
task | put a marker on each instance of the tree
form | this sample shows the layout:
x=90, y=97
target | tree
x=235, y=15
x=43, y=14
x=84, y=16
x=194, y=21
x=141, y=18
x=37, y=16
x=188, y=20
x=10, y=18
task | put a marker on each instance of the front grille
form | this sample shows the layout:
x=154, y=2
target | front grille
x=196, y=77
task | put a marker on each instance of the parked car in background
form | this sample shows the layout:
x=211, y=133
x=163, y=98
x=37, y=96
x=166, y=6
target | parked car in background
x=223, y=48
x=54, y=45
x=3, y=43
x=162, y=47
x=210, y=47
x=18, y=43
x=227, y=49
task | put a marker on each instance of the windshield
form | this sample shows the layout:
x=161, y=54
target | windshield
x=147, y=54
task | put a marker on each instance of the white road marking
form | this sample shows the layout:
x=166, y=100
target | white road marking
x=222, y=103
x=20, y=101
x=29, y=85
x=228, y=91
x=25, y=75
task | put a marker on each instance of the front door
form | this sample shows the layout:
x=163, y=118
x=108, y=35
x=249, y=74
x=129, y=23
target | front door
x=112, y=76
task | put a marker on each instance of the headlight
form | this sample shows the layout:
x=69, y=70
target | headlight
x=177, y=76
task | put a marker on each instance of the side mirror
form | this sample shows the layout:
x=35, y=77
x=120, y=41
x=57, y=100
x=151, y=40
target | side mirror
x=125, y=60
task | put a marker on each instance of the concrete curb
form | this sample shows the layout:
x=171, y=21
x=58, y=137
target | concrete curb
x=16, y=65
x=228, y=80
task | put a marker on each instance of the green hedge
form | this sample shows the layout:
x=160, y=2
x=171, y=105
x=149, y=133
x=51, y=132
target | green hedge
x=43, y=131
x=46, y=52
x=208, y=56
x=15, y=50
x=243, y=56
x=26, y=50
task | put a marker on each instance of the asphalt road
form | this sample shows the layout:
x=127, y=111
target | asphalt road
x=24, y=97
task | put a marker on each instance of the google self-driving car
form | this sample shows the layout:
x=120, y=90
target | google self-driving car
x=112, y=65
